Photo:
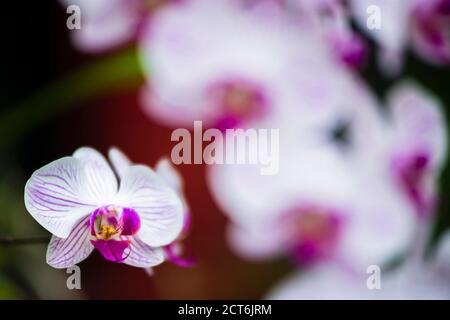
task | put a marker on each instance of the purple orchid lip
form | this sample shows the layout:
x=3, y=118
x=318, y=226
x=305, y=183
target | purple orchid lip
x=112, y=250
x=312, y=232
x=108, y=226
x=411, y=170
x=238, y=101
x=351, y=49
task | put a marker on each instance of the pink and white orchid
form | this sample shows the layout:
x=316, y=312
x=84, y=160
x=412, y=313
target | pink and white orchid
x=213, y=61
x=428, y=280
x=107, y=24
x=174, y=250
x=418, y=147
x=423, y=24
x=332, y=199
x=331, y=20
x=78, y=199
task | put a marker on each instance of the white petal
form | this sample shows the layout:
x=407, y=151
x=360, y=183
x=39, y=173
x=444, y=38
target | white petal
x=143, y=256
x=328, y=282
x=394, y=15
x=63, y=253
x=119, y=160
x=419, y=120
x=166, y=170
x=105, y=23
x=188, y=48
x=254, y=244
x=380, y=226
x=158, y=206
x=57, y=195
x=101, y=181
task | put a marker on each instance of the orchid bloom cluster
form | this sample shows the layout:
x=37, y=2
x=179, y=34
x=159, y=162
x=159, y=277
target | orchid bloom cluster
x=78, y=199
x=416, y=281
x=358, y=178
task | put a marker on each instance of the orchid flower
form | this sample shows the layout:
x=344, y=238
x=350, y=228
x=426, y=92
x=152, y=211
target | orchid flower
x=331, y=200
x=78, y=199
x=419, y=144
x=330, y=18
x=213, y=61
x=107, y=24
x=172, y=252
x=423, y=24
x=430, y=281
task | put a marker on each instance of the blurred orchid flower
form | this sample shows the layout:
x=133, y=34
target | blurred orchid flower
x=79, y=201
x=332, y=200
x=213, y=61
x=429, y=280
x=332, y=19
x=107, y=24
x=168, y=173
x=419, y=144
x=422, y=23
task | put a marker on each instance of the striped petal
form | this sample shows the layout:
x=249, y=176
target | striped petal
x=64, y=253
x=102, y=183
x=56, y=196
x=158, y=206
x=142, y=255
x=59, y=194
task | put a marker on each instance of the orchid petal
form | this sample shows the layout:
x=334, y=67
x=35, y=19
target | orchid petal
x=326, y=282
x=57, y=197
x=419, y=121
x=64, y=253
x=119, y=160
x=393, y=33
x=142, y=255
x=130, y=221
x=167, y=171
x=255, y=243
x=379, y=226
x=106, y=23
x=158, y=206
x=112, y=250
x=101, y=181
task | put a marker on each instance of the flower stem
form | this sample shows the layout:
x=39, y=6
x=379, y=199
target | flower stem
x=120, y=70
x=10, y=241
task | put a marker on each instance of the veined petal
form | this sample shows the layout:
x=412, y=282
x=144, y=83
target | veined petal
x=119, y=161
x=142, y=255
x=158, y=206
x=57, y=197
x=101, y=182
x=63, y=253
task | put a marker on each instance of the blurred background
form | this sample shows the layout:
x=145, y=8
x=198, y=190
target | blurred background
x=46, y=76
